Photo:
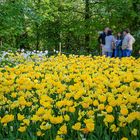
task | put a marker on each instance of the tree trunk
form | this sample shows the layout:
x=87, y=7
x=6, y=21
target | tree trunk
x=37, y=37
x=136, y=22
x=37, y=29
x=87, y=18
x=60, y=23
x=1, y=42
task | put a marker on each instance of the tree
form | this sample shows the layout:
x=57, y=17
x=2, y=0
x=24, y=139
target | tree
x=43, y=24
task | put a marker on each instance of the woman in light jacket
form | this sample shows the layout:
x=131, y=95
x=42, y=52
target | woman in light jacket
x=109, y=44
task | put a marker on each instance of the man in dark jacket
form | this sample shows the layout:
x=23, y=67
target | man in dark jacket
x=101, y=39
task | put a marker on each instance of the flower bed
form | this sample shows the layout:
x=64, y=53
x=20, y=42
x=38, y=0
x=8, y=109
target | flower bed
x=75, y=97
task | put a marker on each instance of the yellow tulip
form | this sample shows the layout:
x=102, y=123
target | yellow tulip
x=20, y=117
x=77, y=126
x=22, y=129
x=63, y=130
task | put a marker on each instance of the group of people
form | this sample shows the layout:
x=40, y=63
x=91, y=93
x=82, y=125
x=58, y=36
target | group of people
x=120, y=45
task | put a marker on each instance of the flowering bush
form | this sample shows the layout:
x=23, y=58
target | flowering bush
x=74, y=97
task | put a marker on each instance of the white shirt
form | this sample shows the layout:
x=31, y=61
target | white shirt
x=128, y=42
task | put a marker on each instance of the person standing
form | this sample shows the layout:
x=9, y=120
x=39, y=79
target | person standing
x=109, y=44
x=101, y=39
x=118, y=44
x=127, y=43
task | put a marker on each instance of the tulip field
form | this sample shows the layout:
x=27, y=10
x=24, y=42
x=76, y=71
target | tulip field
x=69, y=98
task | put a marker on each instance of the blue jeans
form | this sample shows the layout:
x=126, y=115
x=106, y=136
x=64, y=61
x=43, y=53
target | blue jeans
x=108, y=54
x=118, y=53
x=127, y=53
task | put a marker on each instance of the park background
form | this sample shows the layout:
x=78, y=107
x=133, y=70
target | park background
x=44, y=24
x=67, y=97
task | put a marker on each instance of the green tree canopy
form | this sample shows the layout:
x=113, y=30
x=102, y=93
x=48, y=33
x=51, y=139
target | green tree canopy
x=42, y=24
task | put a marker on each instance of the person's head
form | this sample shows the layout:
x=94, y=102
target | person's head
x=126, y=31
x=106, y=30
x=119, y=34
x=109, y=32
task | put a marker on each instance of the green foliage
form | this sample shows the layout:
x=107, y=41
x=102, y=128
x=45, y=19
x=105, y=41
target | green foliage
x=42, y=24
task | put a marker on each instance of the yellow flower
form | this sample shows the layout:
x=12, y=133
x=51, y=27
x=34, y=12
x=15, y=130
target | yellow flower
x=112, y=103
x=89, y=124
x=134, y=132
x=101, y=106
x=35, y=118
x=22, y=129
x=109, y=109
x=124, y=138
x=22, y=101
x=7, y=118
x=59, y=104
x=72, y=109
x=58, y=138
x=46, y=104
x=45, y=126
x=29, y=104
x=78, y=95
x=66, y=118
x=14, y=95
x=39, y=133
x=40, y=111
x=52, y=91
x=63, y=130
x=124, y=111
x=20, y=117
x=132, y=116
x=26, y=121
x=56, y=120
x=122, y=119
x=69, y=103
x=77, y=126
x=114, y=128
x=85, y=105
x=109, y=118
x=102, y=98
x=90, y=113
x=14, y=105
x=95, y=103
x=47, y=115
